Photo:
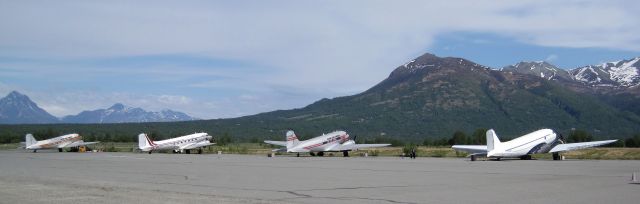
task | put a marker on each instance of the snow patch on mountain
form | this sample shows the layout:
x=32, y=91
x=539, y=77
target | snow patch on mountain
x=623, y=73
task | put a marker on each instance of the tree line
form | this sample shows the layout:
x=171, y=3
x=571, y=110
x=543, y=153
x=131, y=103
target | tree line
x=477, y=137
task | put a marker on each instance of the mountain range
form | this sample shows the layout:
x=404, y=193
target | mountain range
x=436, y=96
x=17, y=108
x=623, y=73
x=432, y=97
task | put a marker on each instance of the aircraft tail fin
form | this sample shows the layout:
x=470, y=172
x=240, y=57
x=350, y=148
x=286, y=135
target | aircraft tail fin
x=492, y=140
x=144, y=141
x=292, y=139
x=29, y=140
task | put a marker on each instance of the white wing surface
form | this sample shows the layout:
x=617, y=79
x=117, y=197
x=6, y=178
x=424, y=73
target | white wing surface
x=196, y=145
x=580, y=145
x=357, y=146
x=78, y=143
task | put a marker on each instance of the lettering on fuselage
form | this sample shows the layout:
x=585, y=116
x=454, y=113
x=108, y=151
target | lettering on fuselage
x=59, y=141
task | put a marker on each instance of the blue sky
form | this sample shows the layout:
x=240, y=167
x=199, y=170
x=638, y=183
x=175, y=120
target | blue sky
x=221, y=59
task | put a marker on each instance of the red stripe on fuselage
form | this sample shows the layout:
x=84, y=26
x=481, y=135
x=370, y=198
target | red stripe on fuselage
x=150, y=141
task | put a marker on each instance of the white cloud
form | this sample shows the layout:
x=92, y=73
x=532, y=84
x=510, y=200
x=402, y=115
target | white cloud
x=309, y=49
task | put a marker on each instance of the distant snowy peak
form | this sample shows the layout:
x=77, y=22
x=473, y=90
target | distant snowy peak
x=539, y=68
x=119, y=113
x=624, y=73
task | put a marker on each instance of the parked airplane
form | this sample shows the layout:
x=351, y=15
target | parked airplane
x=537, y=142
x=70, y=140
x=337, y=141
x=179, y=144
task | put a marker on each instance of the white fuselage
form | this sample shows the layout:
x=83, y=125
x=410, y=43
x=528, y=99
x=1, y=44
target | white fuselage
x=540, y=141
x=56, y=142
x=321, y=143
x=184, y=142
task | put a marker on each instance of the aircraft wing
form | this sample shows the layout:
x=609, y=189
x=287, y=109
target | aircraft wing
x=356, y=146
x=473, y=149
x=580, y=145
x=78, y=143
x=196, y=145
x=279, y=143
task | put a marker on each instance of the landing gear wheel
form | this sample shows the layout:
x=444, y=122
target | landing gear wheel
x=150, y=151
x=200, y=151
x=320, y=154
x=345, y=153
x=187, y=151
x=59, y=149
x=34, y=151
x=312, y=154
x=498, y=159
x=556, y=156
x=473, y=158
x=297, y=154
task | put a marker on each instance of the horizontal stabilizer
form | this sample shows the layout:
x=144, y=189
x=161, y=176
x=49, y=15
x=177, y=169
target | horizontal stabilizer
x=279, y=143
x=279, y=150
x=473, y=149
x=580, y=145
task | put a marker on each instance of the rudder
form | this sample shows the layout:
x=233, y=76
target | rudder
x=29, y=140
x=144, y=141
x=292, y=139
x=492, y=140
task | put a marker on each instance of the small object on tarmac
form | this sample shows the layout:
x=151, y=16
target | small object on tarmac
x=634, y=178
x=219, y=152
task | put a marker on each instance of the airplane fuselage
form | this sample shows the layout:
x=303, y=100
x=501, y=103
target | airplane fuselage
x=540, y=141
x=184, y=142
x=56, y=142
x=321, y=143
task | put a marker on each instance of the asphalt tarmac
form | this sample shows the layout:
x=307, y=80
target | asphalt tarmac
x=52, y=177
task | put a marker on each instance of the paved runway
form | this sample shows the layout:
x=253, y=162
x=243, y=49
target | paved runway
x=52, y=177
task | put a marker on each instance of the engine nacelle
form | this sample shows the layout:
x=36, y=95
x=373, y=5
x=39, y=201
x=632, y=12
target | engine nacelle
x=350, y=142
